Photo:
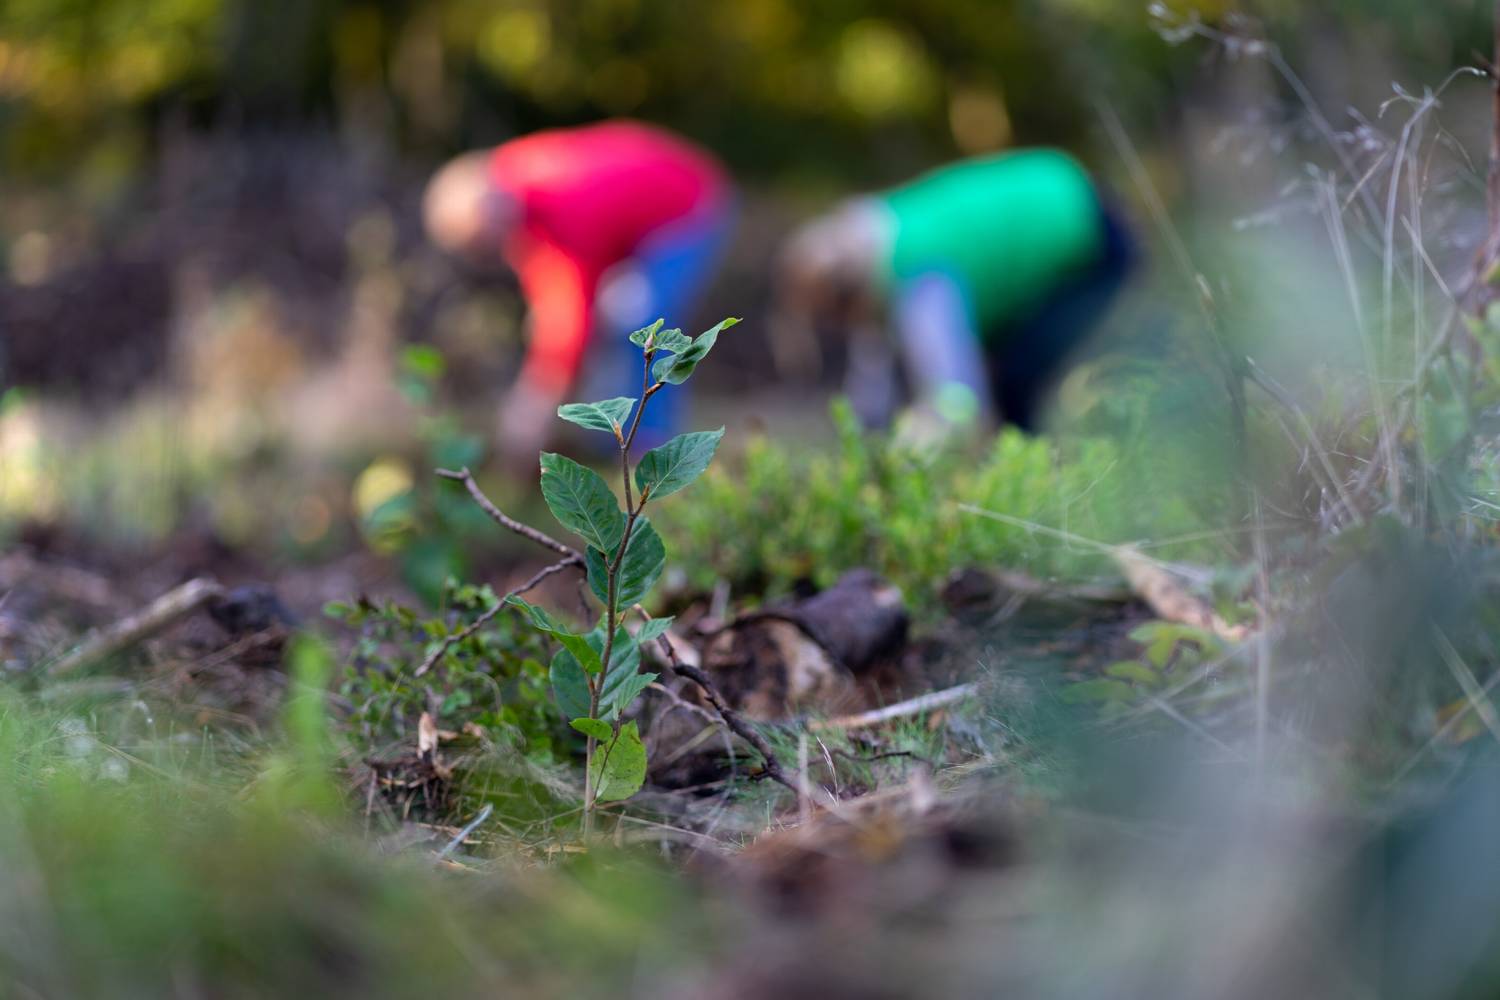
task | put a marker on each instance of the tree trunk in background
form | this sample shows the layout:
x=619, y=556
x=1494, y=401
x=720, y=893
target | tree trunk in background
x=280, y=58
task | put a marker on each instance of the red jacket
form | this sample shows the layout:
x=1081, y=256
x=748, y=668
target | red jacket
x=588, y=197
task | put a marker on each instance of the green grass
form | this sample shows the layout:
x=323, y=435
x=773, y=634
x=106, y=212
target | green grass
x=140, y=865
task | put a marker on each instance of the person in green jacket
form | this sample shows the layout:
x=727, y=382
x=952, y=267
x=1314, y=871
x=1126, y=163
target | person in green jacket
x=990, y=271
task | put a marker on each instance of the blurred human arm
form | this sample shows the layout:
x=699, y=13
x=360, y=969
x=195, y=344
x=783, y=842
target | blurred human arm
x=941, y=353
x=560, y=294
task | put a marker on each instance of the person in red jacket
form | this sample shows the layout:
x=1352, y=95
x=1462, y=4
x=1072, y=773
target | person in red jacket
x=608, y=227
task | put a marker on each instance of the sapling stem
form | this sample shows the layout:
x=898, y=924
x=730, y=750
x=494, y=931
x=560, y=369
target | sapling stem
x=612, y=575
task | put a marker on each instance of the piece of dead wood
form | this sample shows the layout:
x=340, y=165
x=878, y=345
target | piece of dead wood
x=770, y=669
x=1168, y=599
x=155, y=617
x=808, y=654
x=900, y=710
x=732, y=719
x=859, y=619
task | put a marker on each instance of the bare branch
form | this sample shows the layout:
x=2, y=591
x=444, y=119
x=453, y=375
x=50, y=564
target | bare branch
x=501, y=518
x=490, y=613
x=732, y=719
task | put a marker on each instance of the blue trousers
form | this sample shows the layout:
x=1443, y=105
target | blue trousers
x=663, y=280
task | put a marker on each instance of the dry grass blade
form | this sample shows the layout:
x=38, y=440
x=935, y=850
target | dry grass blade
x=1478, y=698
x=900, y=710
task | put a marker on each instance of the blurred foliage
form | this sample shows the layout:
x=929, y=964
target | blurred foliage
x=815, y=88
x=492, y=679
x=406, y=513
x=878, y=502
x=143, y=860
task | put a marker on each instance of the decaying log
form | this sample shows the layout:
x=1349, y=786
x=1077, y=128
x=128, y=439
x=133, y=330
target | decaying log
x=807, y=655
x=160, y=614
x=252, y=610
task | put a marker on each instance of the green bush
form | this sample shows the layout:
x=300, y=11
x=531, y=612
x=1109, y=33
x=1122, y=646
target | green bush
x=493, y=678
x=781, y=515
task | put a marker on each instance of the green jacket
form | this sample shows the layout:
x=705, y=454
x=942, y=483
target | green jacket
x=1008, y=228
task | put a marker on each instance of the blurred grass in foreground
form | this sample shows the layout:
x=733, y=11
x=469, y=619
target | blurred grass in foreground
x=159, y=867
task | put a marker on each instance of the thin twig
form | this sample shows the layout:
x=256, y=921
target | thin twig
x=884, y=755
x=732, y=719
x=499, y=605
x=715, y=725
x=463, y=834
x=901, y=709
x=501, y=518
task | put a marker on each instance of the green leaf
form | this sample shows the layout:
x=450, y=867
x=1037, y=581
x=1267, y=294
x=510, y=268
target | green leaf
x=653, y=630
x=675, y=370
x=624, y=662
x=597, y=728
x=1134, y=670
x=644, y=559
x=673, y=341
x=578, y=645
x=619, y=767
x=627, y=692
x=607, y=415
x=654, y=338
x=665, y=470
x=570, y=685
x=623, y=681
x=424, y=361
x=642, y=336
x=581, y=500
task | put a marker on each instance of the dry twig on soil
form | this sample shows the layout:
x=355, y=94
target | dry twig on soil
x=1167, y=598
x=732, y=719
x=912, y=706
x=160, y=614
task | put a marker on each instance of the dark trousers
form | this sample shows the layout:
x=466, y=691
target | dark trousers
x=1031, y=355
